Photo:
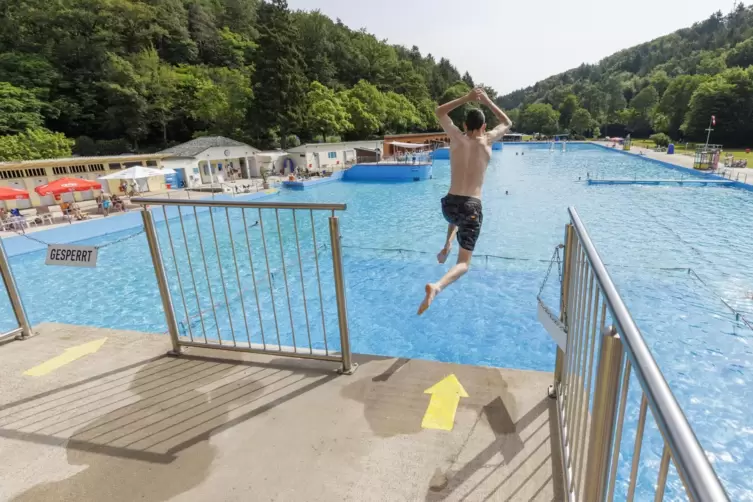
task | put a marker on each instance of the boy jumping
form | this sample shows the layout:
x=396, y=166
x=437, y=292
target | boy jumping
x=461, y=207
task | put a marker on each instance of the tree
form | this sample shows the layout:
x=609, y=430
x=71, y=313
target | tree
x=468, y=80
x=660, y=139
x=660, y=123
x=458, y=90
x=281, y=84
x=567, y=109
x=34, y=144
x=401, y=115
x=19, y=109
x=676, y=99
x=741, y=55
x=325, y=112
x=642, y=107
x=728, y=97
x=365, y=105
x=539, y=118
x=581, y=121
x=660, y=81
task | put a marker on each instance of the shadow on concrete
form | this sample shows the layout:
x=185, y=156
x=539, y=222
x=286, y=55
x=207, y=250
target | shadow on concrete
x=152, y=410
x=130, y=426
x=509, y=444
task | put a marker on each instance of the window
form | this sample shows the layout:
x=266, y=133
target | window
x=11, y=173
x=114, y=166
x=77, y=169
x=35, y=171
x=60, y=170
x=332, y=155
x=96, y=167
x=151, y=163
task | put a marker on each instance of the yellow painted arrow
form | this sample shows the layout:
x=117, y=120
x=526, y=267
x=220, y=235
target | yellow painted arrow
x=68, y=356
x=445, y=397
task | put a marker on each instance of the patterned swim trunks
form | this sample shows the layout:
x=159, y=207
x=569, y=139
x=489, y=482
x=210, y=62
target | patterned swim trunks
x=466, y=213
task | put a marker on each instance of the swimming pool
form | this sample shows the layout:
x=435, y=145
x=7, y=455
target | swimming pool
x=672, y=251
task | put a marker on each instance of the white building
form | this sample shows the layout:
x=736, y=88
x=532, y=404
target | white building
x=330, y=156
x=210, y=159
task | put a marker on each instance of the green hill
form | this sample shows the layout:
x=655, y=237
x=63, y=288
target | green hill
x=673, y=84
x=121, y=75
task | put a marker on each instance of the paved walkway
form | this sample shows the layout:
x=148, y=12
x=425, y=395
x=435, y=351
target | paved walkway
x=125, y=422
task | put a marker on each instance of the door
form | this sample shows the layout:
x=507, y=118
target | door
x=180, y=178
x=20, y=203
x=88, y=194
x=47, y=200
x=316, y=161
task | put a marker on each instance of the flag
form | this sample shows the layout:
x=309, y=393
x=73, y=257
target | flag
x=713, y=120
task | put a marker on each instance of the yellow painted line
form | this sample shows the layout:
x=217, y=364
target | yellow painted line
x=68, y=356
x=445, y=397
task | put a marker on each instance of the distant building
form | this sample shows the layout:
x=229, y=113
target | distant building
x=210, y=159
x=330, y=156
x=434, y=139
x=29, y=174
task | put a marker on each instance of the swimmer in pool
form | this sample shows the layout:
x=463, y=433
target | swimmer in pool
x=461, y=207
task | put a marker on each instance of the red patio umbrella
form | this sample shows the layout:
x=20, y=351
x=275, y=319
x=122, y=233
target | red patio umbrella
x=65, y=185
x=9, y=193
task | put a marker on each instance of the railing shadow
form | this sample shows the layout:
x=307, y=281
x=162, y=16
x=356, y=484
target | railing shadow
x=151, y=411
x=528, y=446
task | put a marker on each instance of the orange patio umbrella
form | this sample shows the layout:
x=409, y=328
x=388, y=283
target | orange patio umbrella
x=65, y=185
x=9, y=193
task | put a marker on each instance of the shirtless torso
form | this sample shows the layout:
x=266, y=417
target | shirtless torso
x=470, y=154
x=469, y=158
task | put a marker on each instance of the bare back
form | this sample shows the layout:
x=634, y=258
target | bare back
x=469, y=158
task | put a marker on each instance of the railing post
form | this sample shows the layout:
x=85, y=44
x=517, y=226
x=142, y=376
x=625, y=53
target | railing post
x=13, y=295
x=559, y=362
x=604, y=414
x=342, y=307
x=159, y=271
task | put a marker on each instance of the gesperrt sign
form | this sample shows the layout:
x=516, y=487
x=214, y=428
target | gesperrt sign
x=71, y=256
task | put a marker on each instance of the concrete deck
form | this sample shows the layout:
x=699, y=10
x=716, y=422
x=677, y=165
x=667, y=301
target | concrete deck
x=128, y=423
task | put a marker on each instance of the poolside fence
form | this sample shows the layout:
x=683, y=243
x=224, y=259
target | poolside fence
x=603, y=347
x=226, y=272
x=14, y=297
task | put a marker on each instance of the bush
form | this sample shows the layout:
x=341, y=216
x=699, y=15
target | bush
x=660, y=139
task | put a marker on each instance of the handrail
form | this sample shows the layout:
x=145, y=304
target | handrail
x=238, y=204
x=691, y=462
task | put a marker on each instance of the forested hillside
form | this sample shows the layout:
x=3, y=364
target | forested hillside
x=672, y=85
x=124, y=75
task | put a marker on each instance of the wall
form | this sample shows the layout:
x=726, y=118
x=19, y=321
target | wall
x=388, y=172
x=441, y=154
x=113, y=186
x=191, y=167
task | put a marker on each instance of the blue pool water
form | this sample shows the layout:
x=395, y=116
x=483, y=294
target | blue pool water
x=674, y=252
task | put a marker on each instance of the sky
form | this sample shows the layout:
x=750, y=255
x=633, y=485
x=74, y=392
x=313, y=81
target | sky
x=508, y=44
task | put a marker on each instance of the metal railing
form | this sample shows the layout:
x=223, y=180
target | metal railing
x=24, y=328
x=591, y=424
x=225, y=253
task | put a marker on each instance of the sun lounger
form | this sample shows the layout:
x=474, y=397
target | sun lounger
x=56, y=212
x=88, y=206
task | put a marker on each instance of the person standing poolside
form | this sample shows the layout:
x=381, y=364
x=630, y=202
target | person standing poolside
x=461, y=207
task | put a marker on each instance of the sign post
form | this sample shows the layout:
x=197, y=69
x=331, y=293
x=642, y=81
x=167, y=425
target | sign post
x=712, y=123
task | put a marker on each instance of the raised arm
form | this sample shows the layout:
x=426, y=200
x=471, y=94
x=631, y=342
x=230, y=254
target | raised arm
x=443, y=112
x=504, y=121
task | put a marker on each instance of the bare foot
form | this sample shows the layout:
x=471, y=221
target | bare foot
x=431, y=292
x=442, y=255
